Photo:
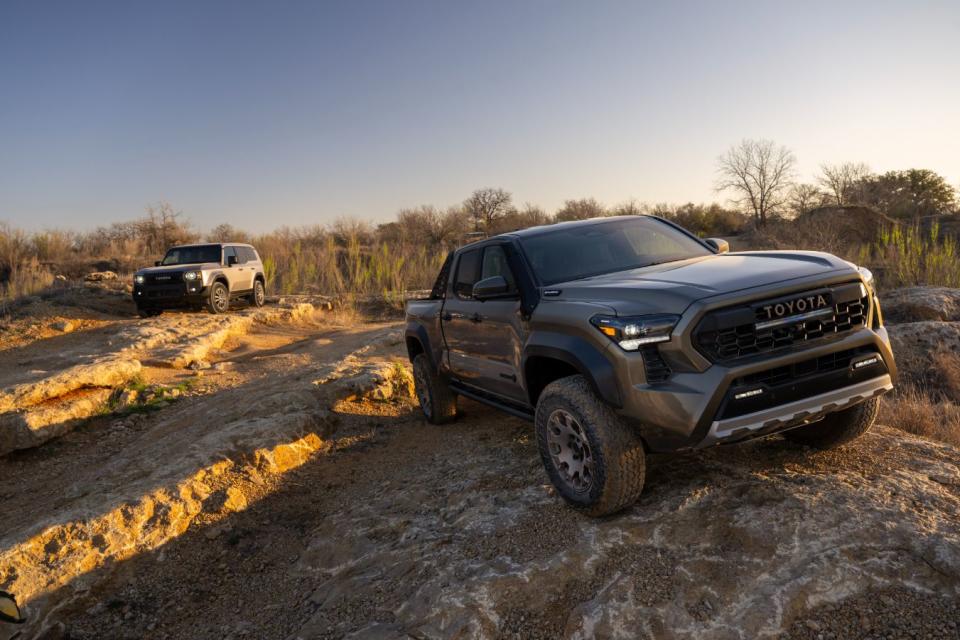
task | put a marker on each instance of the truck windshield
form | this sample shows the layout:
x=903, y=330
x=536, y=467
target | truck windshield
x=192, y=255
x=583, y=251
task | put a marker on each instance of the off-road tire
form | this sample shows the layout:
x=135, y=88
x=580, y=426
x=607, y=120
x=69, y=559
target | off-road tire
x=619, y=460
x=148, y=313
x=218, y=300
x=437, y=401
x=259, y=294
x=838, y=428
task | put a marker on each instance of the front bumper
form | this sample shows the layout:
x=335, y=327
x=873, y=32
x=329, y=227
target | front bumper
x=181, y=294
x=692, y=408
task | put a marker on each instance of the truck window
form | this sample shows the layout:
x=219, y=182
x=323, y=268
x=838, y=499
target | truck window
x=467, y=271
x=495, y=264
x=440, y=285
x=228, y=252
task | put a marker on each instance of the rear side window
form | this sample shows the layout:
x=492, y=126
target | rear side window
x=495, y=264
x=468, y=269
x=246, y=254
x=440, y=285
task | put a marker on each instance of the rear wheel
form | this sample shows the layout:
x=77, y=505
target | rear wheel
x=219, y=298
x=259, y=295
x=437, y=401
x=596, y=462
x=838, y=428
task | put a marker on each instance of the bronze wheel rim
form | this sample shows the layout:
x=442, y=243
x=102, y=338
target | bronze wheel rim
x=421, y=385
x=570, y=450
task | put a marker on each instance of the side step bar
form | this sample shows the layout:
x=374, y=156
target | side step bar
x=512, y=408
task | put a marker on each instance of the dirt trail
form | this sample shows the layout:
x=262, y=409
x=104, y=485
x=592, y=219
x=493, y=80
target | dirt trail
x=296, y=493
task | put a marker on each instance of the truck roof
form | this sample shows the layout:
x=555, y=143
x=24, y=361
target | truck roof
x=547, y=228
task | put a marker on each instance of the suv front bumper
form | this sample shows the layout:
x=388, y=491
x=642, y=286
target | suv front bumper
x=181, y=294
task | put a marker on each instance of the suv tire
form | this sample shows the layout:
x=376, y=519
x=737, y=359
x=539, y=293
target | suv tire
x=838, y=428
x=596, y=462
x=259, y=295
x=218, y=301
x=148, y=313
x=437, y=401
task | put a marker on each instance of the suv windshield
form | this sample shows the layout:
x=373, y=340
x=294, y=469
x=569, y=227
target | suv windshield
x=606, y=247
x=192, y=255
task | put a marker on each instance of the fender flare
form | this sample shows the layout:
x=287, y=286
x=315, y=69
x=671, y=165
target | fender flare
x=589, y=361
x=418, y=332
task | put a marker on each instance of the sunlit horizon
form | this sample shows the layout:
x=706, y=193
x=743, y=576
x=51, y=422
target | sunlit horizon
x=265, y=115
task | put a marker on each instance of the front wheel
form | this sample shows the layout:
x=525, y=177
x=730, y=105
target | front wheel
x=596, y=462
x=437, y=401
x=839, y=428
x=219, y=299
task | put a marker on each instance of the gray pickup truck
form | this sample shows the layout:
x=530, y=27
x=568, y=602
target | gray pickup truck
x=627, y=335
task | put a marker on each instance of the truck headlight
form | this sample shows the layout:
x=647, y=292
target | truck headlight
x=633, y=333
x=139, y=279
x=190, y=276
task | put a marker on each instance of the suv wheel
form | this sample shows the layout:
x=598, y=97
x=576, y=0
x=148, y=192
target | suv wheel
x=595, y=461
x=437, y=401
x=219, y=300
x=838, y=428
x=148, y=313
x=259, y=295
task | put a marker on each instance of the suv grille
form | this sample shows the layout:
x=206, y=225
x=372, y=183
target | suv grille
x=729, y=334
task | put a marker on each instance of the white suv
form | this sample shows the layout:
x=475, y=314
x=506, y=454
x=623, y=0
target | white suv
x=200, y=275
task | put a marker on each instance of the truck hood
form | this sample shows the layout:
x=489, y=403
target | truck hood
x=672, y=287
x=177, y=268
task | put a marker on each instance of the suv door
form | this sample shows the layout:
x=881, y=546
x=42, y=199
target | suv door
x=246, y=267
x=231, y=268
x=484, y=337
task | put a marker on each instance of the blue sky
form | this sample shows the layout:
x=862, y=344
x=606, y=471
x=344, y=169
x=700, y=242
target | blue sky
x=272, y=113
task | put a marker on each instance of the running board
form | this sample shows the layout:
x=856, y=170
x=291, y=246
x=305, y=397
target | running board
x=491, y=401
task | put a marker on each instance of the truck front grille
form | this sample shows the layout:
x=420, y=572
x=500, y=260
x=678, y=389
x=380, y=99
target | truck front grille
x=739, y=332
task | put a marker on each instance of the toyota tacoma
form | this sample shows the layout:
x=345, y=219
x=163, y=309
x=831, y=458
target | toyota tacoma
x=200, y=275
x=627, y=335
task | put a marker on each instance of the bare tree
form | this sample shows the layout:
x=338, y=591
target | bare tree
x=581, y=209
x=803, y=197
x=758, y=172
x=486, y=205
x=226, y=232
x=842, y=180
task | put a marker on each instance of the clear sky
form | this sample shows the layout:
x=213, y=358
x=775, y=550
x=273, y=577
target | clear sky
x=283, y=112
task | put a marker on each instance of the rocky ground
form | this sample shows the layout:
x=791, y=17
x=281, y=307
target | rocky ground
x=286, y=487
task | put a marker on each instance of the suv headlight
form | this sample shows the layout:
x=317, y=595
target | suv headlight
x=190, y=276
x=633, y=333
x=139, y=278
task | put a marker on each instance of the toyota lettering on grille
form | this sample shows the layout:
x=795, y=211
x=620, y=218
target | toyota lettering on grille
x=798, y=309
x=162, y=278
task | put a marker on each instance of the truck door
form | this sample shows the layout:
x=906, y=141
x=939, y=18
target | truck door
x=484, y=338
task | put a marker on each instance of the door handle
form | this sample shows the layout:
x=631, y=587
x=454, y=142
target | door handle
x=447, y=317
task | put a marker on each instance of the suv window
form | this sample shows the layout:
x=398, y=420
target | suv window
x=192, y=255
x=247, y=254
x=467, y=271
x=229, y=252
x=495, y=264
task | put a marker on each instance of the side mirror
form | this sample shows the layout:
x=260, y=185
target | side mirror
x=721, y=245
x=9, y=611
x=490, y=288
x=232, y=260
x=158, y=263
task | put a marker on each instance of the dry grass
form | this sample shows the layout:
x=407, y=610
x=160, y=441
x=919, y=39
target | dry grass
x=917, y=412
